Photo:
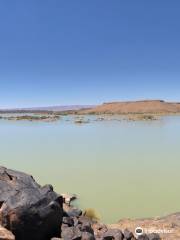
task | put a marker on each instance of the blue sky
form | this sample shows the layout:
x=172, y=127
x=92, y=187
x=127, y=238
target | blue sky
x=58, y=52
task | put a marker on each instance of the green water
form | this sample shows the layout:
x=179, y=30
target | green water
x=121, y=169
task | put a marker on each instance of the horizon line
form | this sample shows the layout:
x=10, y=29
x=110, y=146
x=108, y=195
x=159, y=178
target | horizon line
x=84, y=105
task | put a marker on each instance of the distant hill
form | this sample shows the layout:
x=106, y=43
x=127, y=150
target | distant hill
x=129, y=107
x=144, y=106
x=49, y=109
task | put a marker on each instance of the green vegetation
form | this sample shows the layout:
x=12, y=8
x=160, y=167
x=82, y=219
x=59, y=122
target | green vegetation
x=91, y=213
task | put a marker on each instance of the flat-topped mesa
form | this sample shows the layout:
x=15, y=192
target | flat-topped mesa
x=137, y=101
x=136, y=107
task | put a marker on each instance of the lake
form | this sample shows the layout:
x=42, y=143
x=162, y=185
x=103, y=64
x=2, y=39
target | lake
x=122, y=169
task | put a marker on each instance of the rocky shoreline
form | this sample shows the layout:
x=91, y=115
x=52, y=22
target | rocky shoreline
x=81, y=119
x=32, y=118
x=31, y=212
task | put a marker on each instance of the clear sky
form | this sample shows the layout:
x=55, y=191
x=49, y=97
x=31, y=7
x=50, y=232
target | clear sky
x=58, y=52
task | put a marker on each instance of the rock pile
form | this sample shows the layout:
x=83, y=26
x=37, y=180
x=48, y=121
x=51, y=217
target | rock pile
x=77, y=226
x=31, y=212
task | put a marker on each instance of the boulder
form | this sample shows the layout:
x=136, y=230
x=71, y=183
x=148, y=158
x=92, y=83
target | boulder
x=87, y=236
x=74, y=212
x=68, y=221
x=86, y=227
x=143, y=237
x=28, y=210
x=111, y=234
x=154, y=236
x=99, y=229
x=76, y=221
x=64, y=226
x=127, y=234
x=151, y=236
x=71, y=233
x=85, y=220
x=5, y=234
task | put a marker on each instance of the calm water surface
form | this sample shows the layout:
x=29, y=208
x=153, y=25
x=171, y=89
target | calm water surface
x=121, y=169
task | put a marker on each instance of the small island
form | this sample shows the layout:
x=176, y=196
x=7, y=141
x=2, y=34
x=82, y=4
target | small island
x=41, y=118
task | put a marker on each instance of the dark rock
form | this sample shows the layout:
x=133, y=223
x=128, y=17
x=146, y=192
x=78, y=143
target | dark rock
x=76, y=221
x=74, y=212
x=87, y=236
x=71, y=233
x=143, y=237
x=69, y=221
x=30, y=211
x=99, y=229
x=154, y=236
x=113, y=234
x=127, y=234
x=64, y=226
x=84, y=220
x=86, y=227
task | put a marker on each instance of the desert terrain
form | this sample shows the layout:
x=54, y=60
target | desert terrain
x=135, y=107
